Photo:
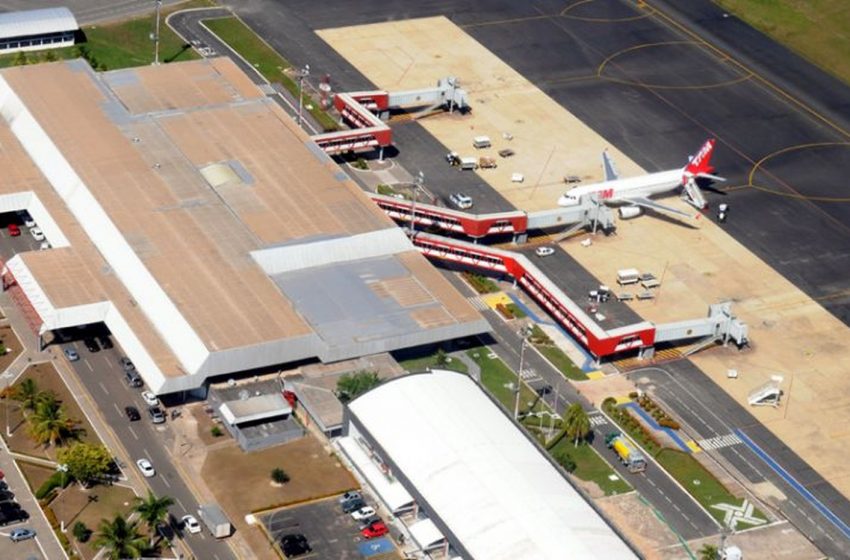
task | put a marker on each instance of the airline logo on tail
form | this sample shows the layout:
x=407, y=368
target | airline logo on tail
x=701, y=163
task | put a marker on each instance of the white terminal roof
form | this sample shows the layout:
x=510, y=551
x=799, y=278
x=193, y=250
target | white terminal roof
x=36, y=22
x=494, y=490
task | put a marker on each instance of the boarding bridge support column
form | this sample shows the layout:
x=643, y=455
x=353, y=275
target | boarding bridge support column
x=646, y=353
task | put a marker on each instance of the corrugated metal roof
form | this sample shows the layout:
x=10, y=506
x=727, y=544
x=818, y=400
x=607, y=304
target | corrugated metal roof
x=36, y=22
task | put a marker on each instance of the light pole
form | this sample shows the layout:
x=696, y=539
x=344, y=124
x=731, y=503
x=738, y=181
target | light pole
x=523, y=333
x=301, y=75
x=155, y=35
x=63, y=468
x=417, y=184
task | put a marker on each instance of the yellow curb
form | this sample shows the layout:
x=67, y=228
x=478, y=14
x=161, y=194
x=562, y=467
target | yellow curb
x=623, y=400
x=492, y=300
x=692, y=445
x=595, y=375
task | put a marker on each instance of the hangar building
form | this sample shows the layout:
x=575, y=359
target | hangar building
x=445, y=458
x=192, y=216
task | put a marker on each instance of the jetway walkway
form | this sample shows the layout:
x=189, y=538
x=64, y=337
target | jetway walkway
x=590, y=214
x=601, y=343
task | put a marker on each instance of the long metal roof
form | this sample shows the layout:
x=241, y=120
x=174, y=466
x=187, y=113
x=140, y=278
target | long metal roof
x=36, y=22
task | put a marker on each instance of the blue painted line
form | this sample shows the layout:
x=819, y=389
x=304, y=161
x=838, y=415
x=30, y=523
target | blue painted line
x=786, y=476
x=656, y=426
x=525, y=309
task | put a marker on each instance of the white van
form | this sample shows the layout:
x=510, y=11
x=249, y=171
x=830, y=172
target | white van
x=468, y=163
x=480, y=142
x=628, y=276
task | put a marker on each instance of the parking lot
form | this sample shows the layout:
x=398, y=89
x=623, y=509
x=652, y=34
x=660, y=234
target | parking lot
x=330, y=532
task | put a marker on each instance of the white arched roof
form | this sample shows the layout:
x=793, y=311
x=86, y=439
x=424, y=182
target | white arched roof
x=493, y=488
x=36, y=22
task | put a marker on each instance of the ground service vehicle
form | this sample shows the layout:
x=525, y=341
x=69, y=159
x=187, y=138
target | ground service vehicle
x=627, y=451
x=628, y=276
x=216, y=522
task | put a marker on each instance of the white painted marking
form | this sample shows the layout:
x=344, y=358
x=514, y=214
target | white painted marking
x=133, y=433
x=165, y=481
x=88, y=365
x=103, y=387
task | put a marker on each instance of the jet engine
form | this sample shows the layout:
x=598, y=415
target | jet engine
x=627, y=212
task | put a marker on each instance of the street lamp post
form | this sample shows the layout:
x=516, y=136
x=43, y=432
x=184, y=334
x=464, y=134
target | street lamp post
x=523, y=333
x=301, y=75
x=63, y=468
x=156, y=33
x=417, y=184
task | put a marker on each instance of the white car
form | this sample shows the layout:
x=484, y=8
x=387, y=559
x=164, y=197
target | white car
x=191, y=524
x=29, y=222
x=37, y=234
x=363, y=513
x=149, y=398
x=544, y=251
x=146, y=468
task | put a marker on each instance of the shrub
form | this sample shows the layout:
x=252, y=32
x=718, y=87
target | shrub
x=609, y=403
x=565, y=461
x=669, y=423
x=216, y=431
x=55, y=481
x=279, y=476
x=361, y=164
x=633, y=395
x=81, y=532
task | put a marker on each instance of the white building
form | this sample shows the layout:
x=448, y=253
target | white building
x=445, y=458
x=33, y=30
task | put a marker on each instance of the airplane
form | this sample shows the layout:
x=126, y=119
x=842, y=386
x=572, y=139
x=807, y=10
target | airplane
x=632, y=194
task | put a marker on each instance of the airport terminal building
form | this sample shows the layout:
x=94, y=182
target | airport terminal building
x=188, y=213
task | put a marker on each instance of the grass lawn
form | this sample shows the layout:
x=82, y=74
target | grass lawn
x=36, y=475
x=123, y=44
x=266, y=60
x=90, y=506
x=592, y=468
x=47, y=379
x=430, y=361
x=562, y=362
x=819, y=31
x=496, y=377
x=700, y=483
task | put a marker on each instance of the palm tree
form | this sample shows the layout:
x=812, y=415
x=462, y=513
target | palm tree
x=26, y=392
x=153, y=511
x=709, y=552
x=50, y=424
x=577, y=423
x=120, y=538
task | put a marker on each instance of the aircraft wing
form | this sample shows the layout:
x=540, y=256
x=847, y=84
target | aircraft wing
x=653, y=205
x=608, y=168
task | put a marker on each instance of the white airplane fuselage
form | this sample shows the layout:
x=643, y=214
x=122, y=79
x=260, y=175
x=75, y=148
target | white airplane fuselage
x=613, y=191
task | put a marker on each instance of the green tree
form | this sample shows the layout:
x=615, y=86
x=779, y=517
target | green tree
x=577, y=424
x=81, y=532
x=153, y=511
x=86, y=461
x=120, y=539
x=351, y=386
x=49, y=424
x=709, y=552
x=280, y=476
x=441, y=359
x=27, y=393
x=563, y=458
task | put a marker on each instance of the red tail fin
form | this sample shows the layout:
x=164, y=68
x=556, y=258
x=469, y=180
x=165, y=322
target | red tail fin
x=701, y=162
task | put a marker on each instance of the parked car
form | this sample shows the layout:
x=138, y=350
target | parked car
x=9, y=517
x=91, y=345
x=294, y=545
x=544, y=251
x=146, y=467
x=126, y=364
x=37, y=234
x=149, y=398
x=353, y=505
x=71, y=354
x=45, y=245
x=507, y=152
x=104, y=341
x=156, y=414
x=133, y=378
x=375, y=530
x=22, y=534
x=461, y=200
x=350, y=495
x=14, y=230
x=132, y=413
x=28, y=221
x=190, y=524
x=363, y=513
x=6, y=495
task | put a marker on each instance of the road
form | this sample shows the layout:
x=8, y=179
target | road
x=104, y=380
x=683, y=515
x=88, y=12
x=694, y=399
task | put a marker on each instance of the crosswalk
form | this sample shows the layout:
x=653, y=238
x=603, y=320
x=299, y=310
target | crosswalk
x=597, y=420
x=478, y=303
x=719, y=441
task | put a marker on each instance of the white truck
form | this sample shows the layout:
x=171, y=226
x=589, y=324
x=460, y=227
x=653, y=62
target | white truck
x=215, y=520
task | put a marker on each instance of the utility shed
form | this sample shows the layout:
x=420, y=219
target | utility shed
x=479, y=480
x=32, y=30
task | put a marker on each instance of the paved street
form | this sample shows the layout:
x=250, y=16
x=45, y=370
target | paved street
x=89, y=11
x=692, y=397
x=104, y=381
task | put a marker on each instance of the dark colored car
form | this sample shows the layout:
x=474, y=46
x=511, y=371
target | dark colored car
x=156, y=414
x=294, y=545
x=12, y=516
x=104, y=341
x=132, y=377
x=126, y=364
x=91, y=345
x=352, y=505
x=545, y=390
x=132, y=413
x=6, y=495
